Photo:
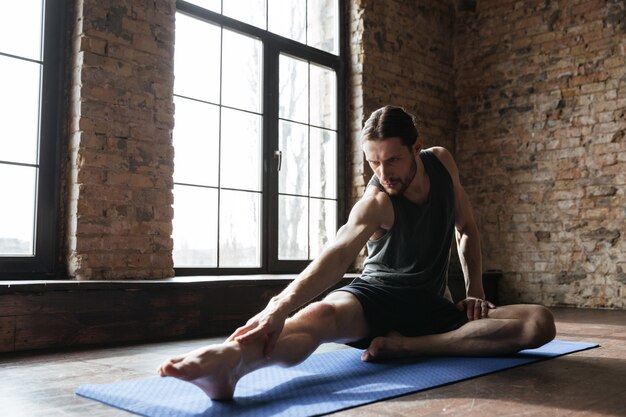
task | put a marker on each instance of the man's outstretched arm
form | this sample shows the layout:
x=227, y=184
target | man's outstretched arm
x=323, y=272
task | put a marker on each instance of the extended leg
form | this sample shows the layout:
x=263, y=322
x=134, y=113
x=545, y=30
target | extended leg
x=217, y=368
x=508, y=329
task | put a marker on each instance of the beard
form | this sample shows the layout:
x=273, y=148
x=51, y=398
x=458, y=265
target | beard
x=397, y=186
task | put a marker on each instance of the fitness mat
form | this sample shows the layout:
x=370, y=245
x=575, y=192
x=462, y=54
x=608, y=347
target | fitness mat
x=324, y=383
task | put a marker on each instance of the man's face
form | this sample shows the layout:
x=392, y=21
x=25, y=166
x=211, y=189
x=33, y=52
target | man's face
x=392, y=162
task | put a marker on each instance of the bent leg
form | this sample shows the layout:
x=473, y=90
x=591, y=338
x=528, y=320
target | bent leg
x=217, y=368
x=508, y=329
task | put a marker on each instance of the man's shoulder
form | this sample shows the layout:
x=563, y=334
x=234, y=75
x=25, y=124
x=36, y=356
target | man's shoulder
x=374, y=205
x=445, y=157
x=440, y=152
x=375, y=197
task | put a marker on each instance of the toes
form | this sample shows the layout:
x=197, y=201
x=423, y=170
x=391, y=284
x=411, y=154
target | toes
x=372, y=350
x=368, y=356
x=169, y=368
x=176, y=360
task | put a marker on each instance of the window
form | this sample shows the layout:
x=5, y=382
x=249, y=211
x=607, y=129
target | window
x=257, y=138
x=31, y=38
x=307, y=143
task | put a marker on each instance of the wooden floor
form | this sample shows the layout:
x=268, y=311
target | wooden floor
x=589, y=383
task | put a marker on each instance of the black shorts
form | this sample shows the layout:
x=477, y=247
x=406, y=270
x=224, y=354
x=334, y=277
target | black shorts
x=409, y=311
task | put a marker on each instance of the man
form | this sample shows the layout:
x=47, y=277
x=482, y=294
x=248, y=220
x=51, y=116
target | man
x=400, y=305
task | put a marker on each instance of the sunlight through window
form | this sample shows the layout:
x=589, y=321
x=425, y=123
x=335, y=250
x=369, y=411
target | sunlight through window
x=21, y=67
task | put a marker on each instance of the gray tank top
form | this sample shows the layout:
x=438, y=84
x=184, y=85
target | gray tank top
x=415, y=252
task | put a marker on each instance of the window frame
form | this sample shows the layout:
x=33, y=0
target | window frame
x=44, y=263
x=273, y=46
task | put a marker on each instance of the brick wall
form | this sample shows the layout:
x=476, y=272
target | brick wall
x=528, y=94
x=541, y=97
x=119, y=198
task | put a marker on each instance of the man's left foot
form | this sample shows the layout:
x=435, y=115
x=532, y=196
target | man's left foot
x=384, y=347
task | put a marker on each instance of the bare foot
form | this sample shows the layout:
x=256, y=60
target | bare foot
x=215, y=369
x=383, y=347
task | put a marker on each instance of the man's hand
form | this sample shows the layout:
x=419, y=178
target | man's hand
x=267, y=325
x=475, y=308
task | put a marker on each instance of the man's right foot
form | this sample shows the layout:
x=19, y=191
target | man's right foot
x=215, y=369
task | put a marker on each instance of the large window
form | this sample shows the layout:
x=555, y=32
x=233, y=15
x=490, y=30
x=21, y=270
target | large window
x=31, y=41
x=257, y=136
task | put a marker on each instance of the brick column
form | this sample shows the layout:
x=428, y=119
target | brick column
x=121, y=154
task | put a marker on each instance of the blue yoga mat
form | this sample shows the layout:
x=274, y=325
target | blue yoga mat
x=324, y=383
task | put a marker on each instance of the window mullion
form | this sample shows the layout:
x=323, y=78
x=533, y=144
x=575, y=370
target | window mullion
x=270, y=144
x=219, y=151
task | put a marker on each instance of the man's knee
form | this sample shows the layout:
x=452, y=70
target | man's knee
x=319, y=315
x=539, y=327
x=325, y=311
x=339, y=317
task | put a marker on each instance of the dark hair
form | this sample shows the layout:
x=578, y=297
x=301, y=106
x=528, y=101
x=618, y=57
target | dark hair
x=390, y=122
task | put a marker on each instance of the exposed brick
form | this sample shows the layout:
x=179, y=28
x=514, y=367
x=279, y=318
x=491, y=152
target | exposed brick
x=573, y=131
x=528, y=95
x=119, y=222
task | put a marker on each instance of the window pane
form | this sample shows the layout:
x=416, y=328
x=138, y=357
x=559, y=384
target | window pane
x=196, y=63
x=323, y=224
x=292, y=228
x=293, y=142
x=241, y=72
x=288, y=18
x=19, y=98
x=240, y=229
x=18, y=186
x=248, y=11
x=195, y=226
x=294, y=89
x=196, y=142
x=323, y=97
x=241, y=150
x=20, y=28
x=323, y=25
x=214, y=5
x=323, y=163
